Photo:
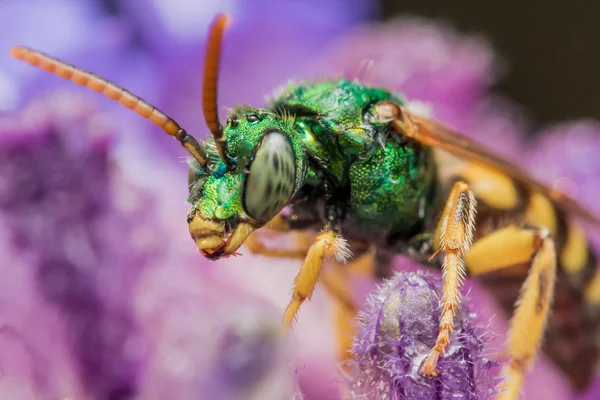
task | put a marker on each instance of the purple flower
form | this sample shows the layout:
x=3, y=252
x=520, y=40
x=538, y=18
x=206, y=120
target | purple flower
x=248, y=358
x=396, y=333
x=62, y=215
x=71, y=29
x=592, y=393
x=212, y=340
x=565, y=156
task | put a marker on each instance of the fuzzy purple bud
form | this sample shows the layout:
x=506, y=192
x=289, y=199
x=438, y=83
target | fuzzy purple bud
x=399, y=328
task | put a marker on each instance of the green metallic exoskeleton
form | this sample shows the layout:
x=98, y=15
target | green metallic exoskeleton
x=320, y=149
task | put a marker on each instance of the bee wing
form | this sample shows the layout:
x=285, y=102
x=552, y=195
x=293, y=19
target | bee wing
x=436, y=135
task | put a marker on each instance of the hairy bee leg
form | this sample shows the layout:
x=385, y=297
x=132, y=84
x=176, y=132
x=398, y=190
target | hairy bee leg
x=335, y=282
x=529, y=320
x=455, y=233
x=333, y=279
x=504, y=248
x=326, y=243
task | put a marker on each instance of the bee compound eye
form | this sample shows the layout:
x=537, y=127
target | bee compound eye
x=271, y=178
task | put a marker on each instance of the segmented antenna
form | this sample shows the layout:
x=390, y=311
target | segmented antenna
x=209, y=93
x=114, y=92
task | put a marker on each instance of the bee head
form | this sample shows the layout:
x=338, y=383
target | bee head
x=267, y=166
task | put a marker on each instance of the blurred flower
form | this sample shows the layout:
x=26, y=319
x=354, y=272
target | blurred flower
x=76, y=239
x=565, y=156
x=74, y=30
x=213, y=341
x=593, y=393
x=246, y=356
x=397, y=331
x=66, y=228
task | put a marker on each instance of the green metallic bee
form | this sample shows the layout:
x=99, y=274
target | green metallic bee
x=344, y=158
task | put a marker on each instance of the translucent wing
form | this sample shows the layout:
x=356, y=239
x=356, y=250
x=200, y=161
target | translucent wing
x=436, y=135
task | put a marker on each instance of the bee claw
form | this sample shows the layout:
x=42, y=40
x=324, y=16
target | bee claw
x=429, y=366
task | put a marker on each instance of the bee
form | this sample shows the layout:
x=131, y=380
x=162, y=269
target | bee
x=354, y=164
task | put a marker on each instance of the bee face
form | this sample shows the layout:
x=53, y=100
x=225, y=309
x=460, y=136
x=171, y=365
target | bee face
x=230, y=203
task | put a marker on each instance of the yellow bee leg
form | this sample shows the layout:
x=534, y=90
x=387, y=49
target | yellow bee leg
x=274, y=228
x=256, y=246
x=510, y=246
x=344, y=331
x=529, y=320
x=455, y=233
x=364, y=265
x=592, y=291
x=326, y=243
x=335, y=281
x=278, y=224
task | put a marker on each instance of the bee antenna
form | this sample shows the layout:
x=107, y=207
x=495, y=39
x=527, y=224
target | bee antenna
x=209, y=92
x=114, y=92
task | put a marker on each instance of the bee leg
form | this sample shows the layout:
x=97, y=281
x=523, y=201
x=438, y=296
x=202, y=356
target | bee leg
x=279, y=224
x=592, y=291
x=327, y=243
x=504, y=248
x=298, y=224
x=336, y=280
x=455, y=233
x=254, y=244
x=529, y=319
